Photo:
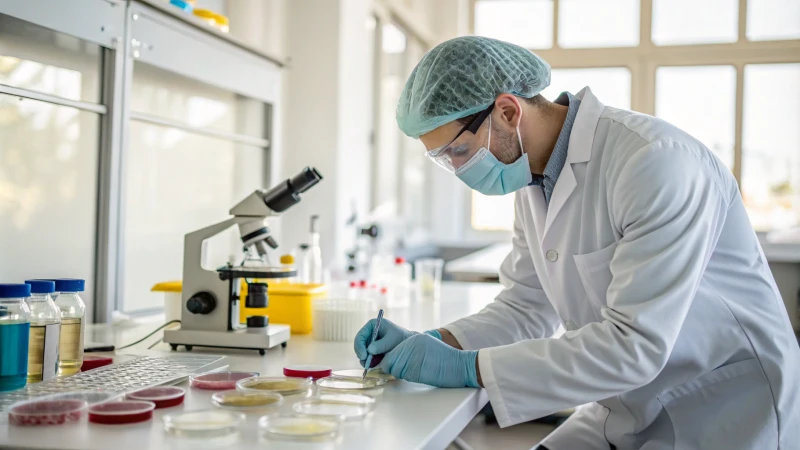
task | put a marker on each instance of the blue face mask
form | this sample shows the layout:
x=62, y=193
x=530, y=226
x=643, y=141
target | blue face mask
x=487, y=175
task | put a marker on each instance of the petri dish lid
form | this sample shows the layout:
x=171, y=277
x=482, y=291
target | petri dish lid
x=212, y=422
x=218, y=381
x=126, y=411
x=247, y=401
x=307, y=371
x=90, y=397
x=280, y=385
x=338, y=382
x=93, y=362
x=358, y=399
x=374, y=373
x=162, y=396
x=299, y=428
x=332, y=408
x=46, y=412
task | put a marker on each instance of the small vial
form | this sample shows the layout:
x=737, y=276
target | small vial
x=73, y=312
x=45, y=331
x=287, y=263
x=15, y=323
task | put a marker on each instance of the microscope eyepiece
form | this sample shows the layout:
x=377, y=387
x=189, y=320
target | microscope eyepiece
x=286, y=194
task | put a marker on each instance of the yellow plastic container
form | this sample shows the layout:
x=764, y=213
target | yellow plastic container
x=289, y=304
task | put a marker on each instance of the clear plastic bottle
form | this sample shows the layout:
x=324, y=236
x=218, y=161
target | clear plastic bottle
x=45, y=331
x=15, y=324
x=303, y=264
x=73, y=318
x=401, y=283
x=315, y=264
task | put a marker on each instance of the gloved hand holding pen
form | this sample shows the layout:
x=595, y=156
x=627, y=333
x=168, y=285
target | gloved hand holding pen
x=390, y=335
x=424, y=359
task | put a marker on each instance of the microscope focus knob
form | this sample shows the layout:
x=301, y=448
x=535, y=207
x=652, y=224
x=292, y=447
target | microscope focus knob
x=201, y=303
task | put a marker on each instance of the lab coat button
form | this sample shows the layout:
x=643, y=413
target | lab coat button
x=551, y=255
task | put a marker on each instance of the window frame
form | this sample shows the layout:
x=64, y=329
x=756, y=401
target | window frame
x=644, y=59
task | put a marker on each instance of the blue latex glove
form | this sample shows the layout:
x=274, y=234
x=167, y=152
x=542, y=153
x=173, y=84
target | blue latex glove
x=389, y=336
x=424, y=359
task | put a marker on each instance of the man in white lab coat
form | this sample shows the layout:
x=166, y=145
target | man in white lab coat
x=628, y=232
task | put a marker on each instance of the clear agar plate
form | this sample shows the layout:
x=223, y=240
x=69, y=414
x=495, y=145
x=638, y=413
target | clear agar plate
x=219, y=381
x=374, y=373
x=46, y=412
x=339, y=384
x=279, y=385
x=162, y=396
x=299, y=428
x=126, y=411
x=247, y=401
x=207, y=423
x=332, y=408
x=358, y=399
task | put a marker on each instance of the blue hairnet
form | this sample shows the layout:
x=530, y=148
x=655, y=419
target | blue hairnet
x=465, y=75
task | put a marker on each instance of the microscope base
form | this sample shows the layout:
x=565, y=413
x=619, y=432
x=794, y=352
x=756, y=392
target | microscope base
x=260, y=339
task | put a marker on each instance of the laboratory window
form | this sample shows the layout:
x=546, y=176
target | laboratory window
x=587, y=23
x=682, y=22
x=528, y=23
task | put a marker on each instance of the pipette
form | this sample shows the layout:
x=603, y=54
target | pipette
x=374, y=336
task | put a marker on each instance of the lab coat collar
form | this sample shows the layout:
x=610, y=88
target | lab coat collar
x=579, y=151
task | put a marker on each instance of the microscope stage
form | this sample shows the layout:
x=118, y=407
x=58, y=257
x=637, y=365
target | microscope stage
x=247, y=338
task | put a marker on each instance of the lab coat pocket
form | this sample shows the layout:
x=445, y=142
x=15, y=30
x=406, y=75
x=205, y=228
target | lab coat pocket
x=595, y=274
x=730, y=407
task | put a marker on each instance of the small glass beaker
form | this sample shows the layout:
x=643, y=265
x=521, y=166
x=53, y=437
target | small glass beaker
x=428, y=274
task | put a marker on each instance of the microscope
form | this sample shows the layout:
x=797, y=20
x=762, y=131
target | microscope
x=210, y=311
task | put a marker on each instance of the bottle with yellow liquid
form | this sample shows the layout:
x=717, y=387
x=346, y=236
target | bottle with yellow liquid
x=45, y=331
x=73, y=312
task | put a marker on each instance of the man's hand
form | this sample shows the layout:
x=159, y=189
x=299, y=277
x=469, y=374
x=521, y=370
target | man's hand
x=389, y=336
x=424, y=359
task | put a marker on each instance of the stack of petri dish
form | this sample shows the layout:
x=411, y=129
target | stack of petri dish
x=278, y=385
x=161, y=396
x=219, y=381
x=337, y=384
x=299, y=427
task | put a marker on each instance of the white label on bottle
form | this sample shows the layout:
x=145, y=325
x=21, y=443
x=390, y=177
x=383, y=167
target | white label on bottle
x=50, y=357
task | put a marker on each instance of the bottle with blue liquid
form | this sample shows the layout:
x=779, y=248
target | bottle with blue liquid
x=15, y=324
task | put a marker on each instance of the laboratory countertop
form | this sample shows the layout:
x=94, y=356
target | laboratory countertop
x=407, y=416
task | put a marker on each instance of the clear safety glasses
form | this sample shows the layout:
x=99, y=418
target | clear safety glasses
x=452, y=156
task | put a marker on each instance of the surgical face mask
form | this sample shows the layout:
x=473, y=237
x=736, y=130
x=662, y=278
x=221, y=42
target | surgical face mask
x=487, y=175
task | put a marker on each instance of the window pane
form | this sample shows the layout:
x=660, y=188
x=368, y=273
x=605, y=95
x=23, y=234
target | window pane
x=177, y=182
x=700, y=100
x=771, y=145
x=591, y=23
x=528, y=23
x=48, y=191
x=492, y=212
x=611, y=85
x=46, y=61
x=165, y=94
x=773, y=19
x=677, y=22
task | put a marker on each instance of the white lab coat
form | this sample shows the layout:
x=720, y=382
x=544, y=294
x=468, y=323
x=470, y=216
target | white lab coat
x=675, y=328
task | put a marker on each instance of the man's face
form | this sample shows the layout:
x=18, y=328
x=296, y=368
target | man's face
x=504, y=145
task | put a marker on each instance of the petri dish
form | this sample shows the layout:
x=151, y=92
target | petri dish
x=219, y=381
x=374, y=373
x=299, y=428
x=359, y=399
x=201, y=424
x=162, y=396
x=333, y=407
x=247, y=401
x=117, y=413
x=93, y=362
x=278, y=385
x=307, y=371
x=338, y=384
x=46, y=412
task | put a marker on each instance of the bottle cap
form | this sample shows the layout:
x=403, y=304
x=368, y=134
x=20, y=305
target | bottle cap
x=287, y=259
x=15, y=290
x=353, y=284
x=362, y=283
x=69, y=284
x=399, y=260
x=41, y=286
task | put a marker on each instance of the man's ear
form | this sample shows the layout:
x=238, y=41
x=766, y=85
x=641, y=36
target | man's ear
x=508, y=110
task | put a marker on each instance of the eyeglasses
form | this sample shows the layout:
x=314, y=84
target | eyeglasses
x=447, y=157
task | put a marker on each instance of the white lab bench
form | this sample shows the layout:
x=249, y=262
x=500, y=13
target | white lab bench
x=408, y=415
